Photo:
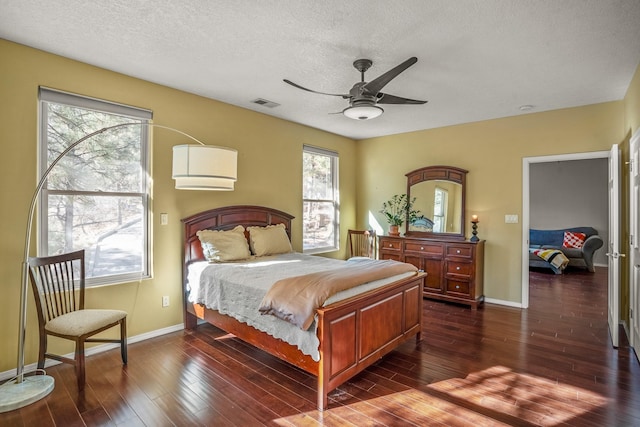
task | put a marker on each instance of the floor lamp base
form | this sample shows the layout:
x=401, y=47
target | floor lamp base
x=31, y=389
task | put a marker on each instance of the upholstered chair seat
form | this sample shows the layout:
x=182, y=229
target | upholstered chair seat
x=83, y=322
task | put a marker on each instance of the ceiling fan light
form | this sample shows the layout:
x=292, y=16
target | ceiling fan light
x=363, y=112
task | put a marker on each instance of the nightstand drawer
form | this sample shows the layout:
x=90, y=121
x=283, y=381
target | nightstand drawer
x=459, y=251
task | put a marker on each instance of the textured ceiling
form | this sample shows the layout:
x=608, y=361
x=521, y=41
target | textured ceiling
x=477, y=60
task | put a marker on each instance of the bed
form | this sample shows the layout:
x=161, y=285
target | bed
x=353, y=333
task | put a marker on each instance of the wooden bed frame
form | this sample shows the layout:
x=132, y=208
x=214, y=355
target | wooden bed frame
x=353, y=333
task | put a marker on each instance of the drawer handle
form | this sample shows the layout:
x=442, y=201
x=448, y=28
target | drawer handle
x=422, y=248
x=457, y=268
x=458, y=251
x=457, y=286
x=390, y=245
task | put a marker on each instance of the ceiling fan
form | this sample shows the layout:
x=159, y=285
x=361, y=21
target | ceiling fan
x=364, y=97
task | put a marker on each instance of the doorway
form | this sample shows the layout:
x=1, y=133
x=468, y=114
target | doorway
x=527, y=164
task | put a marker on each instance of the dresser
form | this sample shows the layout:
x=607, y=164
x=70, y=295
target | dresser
x=455, y=269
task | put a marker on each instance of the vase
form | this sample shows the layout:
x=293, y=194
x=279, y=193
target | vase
x=394, y=230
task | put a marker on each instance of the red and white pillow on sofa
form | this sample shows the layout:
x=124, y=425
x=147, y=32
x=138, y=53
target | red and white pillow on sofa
x=573, y=239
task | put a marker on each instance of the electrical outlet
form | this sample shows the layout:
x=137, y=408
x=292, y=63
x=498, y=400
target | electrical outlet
x=165, y=301
x=164, y=219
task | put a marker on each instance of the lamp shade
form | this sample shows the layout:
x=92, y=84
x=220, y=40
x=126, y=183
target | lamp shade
x=204, y=167
x=363, y=112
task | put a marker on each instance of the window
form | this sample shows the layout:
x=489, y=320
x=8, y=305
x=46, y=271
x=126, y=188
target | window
x=97, y=197
x=320, y=204
x=440, y=210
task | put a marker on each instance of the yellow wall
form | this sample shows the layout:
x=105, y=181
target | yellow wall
x=269, y=170
x=492, y=152
x=632, y=105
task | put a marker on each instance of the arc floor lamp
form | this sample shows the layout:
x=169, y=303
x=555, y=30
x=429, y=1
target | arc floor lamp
x=195, y=167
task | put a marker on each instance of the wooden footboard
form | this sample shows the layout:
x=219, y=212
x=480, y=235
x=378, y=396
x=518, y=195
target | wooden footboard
x=353, y=333
x=356, y=333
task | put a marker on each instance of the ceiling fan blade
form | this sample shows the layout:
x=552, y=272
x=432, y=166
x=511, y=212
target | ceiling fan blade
x=314, y=91
x=376, y=85
x=385, y=98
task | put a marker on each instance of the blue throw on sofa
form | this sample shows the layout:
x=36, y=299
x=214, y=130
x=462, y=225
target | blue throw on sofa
x=552, y=239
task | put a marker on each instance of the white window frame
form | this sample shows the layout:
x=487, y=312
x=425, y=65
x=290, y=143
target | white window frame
x=47, y=96
x=335, y=200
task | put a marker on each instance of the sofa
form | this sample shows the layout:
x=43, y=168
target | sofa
x=553, y=239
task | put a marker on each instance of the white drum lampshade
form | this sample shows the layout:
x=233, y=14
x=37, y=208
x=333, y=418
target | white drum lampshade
x=205, y=167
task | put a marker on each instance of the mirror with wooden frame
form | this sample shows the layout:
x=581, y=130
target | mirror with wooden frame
x=440, y=198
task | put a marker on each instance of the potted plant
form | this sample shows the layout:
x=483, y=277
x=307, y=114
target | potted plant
x=397, y=210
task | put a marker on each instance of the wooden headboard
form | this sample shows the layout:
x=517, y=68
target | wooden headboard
x=226, y=219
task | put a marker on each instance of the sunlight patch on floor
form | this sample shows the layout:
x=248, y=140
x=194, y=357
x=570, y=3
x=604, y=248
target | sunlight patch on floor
x=482, y=398
x=524, y=396
x=225, y=337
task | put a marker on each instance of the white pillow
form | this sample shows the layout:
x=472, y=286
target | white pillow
x=219, y=245
x=269, y=240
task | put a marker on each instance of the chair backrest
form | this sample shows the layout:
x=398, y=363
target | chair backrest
x=361, y=243
x=58, y=284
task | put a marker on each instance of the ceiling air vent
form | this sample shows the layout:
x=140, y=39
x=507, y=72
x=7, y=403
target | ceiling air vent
x=265, y=103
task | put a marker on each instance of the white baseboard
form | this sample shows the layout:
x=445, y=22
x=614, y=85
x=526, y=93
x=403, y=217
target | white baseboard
x=97, y=349
x=503, y=302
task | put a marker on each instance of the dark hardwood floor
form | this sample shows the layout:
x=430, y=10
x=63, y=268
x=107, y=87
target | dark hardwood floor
x=550, y=365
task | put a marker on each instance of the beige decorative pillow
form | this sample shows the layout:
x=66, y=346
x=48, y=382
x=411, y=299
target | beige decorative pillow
x=218, y=245
x=269, y=240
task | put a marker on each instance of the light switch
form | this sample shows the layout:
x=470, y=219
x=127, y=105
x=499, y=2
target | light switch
x=164, y=219
x=511, y=219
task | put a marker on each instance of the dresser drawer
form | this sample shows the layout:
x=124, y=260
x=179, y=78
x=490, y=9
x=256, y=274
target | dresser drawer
x=390, y=244
x=393, y=255
x=459, y=268
x=458, y=287
x=424, y=248
x=463, y=251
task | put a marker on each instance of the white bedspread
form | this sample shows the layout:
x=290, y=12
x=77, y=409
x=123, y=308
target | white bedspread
x=237, y=288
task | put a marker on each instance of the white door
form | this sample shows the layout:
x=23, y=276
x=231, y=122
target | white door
x=634, y=252
x=613, y=252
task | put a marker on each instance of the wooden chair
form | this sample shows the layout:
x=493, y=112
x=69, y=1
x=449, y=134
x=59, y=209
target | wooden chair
x=58, y=284
x=361, y=243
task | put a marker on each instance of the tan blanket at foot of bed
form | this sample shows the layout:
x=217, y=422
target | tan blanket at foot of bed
x=296, y=299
